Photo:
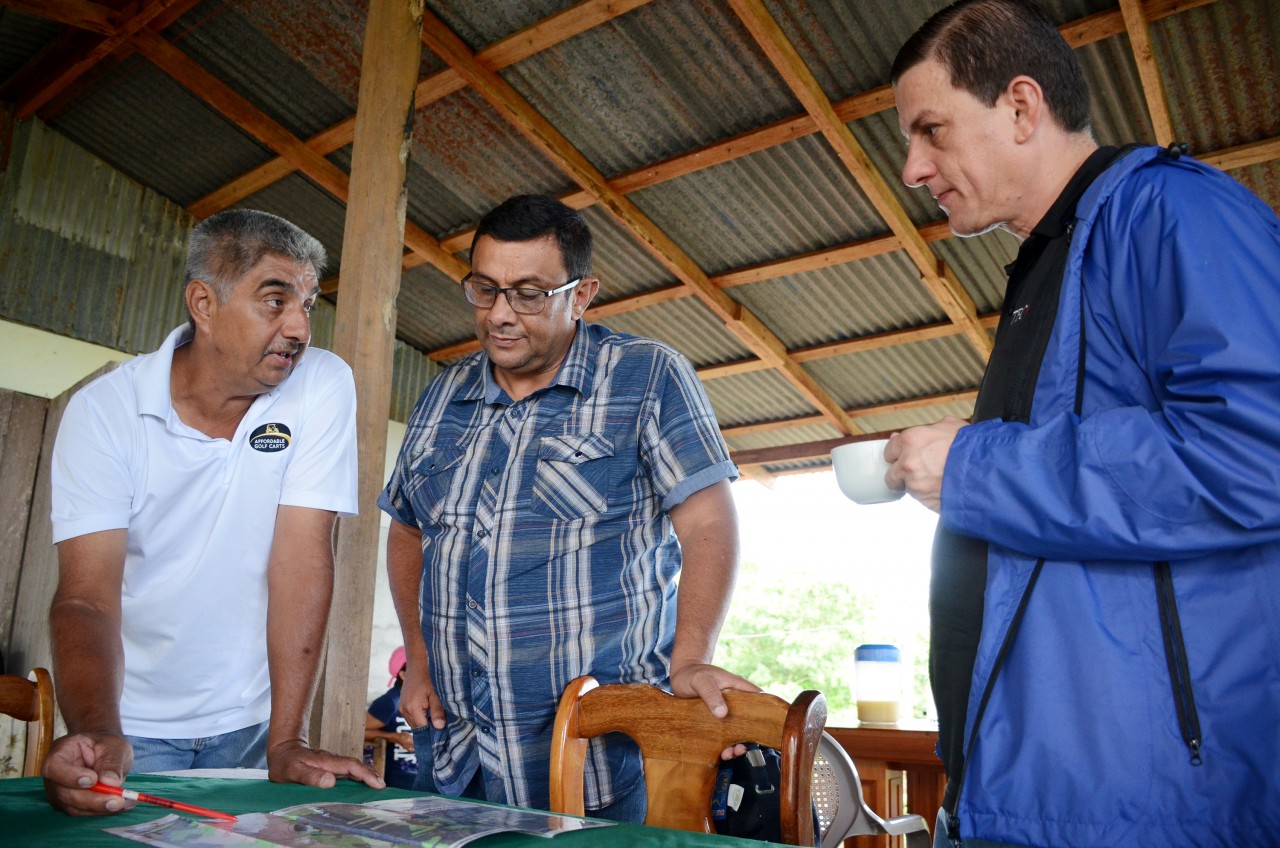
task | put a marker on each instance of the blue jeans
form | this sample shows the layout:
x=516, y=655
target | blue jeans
x=244, y=748
x=424, y=781
x=940, y=839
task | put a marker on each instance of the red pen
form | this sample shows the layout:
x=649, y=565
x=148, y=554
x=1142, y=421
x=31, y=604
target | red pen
x=131, y=795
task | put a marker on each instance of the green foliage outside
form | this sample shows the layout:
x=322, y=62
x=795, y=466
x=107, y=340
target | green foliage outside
x=787, y=635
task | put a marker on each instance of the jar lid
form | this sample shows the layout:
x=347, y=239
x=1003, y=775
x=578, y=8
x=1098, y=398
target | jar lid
x=876, y=653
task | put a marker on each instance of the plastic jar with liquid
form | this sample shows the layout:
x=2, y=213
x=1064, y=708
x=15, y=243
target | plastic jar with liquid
x=877, y=677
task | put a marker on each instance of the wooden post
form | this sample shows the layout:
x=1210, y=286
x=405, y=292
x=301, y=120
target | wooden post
x=366, y=318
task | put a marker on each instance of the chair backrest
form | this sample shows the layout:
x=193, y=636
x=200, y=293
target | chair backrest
x=31, y=702
x=843, y=812
x=681, y=743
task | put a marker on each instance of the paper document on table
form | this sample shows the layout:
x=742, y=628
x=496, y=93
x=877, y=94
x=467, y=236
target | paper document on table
x=425, y=822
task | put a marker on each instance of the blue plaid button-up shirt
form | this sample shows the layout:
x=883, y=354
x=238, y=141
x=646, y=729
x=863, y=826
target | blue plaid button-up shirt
x=547, y=550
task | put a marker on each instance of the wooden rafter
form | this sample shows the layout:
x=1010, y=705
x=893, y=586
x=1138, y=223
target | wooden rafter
x=926, y=402
x=529, y=122
x=68, y=73
x=797, y=452
x=73, y=13
x=1135, y=23
x=253, y=121
x=940, y=282
x=1086, y=30
x=520, y=45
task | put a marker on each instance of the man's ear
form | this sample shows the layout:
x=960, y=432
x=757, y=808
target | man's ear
x=202, y=302
x=1025, y=98
x=583, y=294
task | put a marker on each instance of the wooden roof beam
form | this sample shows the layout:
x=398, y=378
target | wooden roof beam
x=926, y=402
x=253, y=121
x=63, y=77
x=501, y=54
x=861, y=344
x=539, y=131
x=1135, y=22
x=80, y=14
x=941, y=283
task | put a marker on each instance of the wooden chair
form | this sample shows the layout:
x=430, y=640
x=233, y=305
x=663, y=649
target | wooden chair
x=31, y=702
x=681, y=743
x=843, y=812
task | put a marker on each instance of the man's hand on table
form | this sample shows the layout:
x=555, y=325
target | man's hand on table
x=293, y=762
x=80, y=760
x=703, y=680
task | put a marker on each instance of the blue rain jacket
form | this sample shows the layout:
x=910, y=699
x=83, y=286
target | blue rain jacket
x=1174, y=275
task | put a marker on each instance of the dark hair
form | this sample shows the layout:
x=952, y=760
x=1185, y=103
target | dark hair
x=527, y=217
x=984, y=44
x=225, y=246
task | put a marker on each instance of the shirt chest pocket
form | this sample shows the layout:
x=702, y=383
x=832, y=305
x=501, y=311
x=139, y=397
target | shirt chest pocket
x=434, y=473
x=571, y=481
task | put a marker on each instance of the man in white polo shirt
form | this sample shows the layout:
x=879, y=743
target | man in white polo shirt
x=195, y=492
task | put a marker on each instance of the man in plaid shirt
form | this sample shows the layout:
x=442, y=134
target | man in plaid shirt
x=549, y=490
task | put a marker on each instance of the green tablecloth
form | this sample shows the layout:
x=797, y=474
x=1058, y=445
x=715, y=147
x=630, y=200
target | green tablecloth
x=27, y=820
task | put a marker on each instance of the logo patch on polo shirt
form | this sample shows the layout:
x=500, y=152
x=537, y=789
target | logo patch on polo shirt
x=270, y=438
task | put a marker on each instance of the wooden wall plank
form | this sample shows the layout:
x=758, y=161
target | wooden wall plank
x=21, y=436
x=29, y=637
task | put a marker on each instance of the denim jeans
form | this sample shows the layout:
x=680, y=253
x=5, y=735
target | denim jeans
x=244, y=748
x=940, y=839
x=424, y=781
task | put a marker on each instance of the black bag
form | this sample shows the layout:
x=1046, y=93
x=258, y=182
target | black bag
x=746, y=801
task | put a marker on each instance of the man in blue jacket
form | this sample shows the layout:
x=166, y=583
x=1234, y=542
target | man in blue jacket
x=1105, y=600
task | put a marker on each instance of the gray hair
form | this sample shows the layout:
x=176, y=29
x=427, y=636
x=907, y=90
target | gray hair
x=226, y=246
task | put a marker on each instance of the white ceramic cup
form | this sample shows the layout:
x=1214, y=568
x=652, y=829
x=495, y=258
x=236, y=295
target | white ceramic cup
x=860, y=469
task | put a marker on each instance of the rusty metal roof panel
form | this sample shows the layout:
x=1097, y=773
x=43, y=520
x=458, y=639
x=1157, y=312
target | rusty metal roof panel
x=754, y=397
x=324, y=37
x=905, y=371
x=227, y=43
x=1263, y=180
x=660, y=80
x=1220, y=65
x=465, y=159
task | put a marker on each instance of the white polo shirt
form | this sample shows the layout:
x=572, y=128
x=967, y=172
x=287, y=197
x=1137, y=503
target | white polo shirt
x=201, y=516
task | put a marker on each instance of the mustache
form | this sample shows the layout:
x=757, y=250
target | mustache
x=291, y=350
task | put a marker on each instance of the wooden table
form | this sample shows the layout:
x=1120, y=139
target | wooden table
x=893, y=759
x=26, y=819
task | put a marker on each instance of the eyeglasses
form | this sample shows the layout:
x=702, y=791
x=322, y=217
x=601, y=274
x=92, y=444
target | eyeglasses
x=523, y=299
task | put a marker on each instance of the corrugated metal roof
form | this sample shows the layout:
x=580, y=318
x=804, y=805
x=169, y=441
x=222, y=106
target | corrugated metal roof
x=146, y=125
x=21, y=37
x=900, y=372
x=659, y=81
x=832, y=304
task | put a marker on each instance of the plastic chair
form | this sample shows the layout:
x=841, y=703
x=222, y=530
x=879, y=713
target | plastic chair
x=31, y=702
x=681, y=743
x=842, y=811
